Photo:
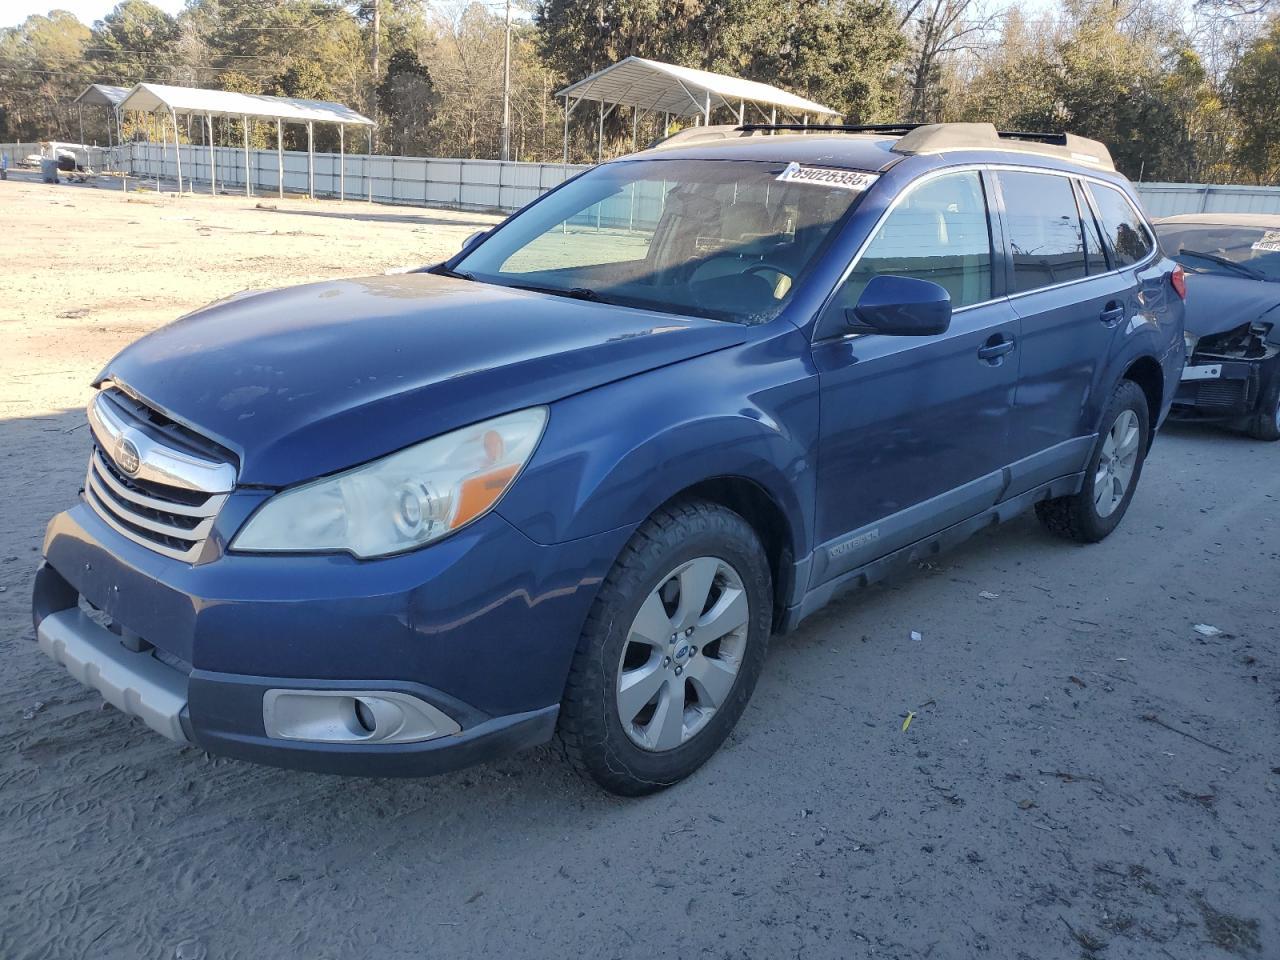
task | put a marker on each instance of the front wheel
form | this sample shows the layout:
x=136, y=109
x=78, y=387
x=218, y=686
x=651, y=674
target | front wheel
x=1112, y=474
x=1265, y=424
x=671, y=650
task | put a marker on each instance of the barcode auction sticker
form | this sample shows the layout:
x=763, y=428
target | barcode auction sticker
x=828, y=177
x=1270, y=242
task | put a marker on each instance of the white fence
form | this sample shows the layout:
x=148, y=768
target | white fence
x=492, y=184
x=17, y=151
x=428, y=181
x=1168, y=199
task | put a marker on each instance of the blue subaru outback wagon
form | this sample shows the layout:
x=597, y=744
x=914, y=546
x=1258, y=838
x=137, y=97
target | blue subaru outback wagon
x=571, y=480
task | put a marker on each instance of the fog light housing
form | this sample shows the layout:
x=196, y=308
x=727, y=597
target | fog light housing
x=353, y=716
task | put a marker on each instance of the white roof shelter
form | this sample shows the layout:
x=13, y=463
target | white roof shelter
x=161, y=98
x=652, y=86
x=101, y=95
x=195, y=101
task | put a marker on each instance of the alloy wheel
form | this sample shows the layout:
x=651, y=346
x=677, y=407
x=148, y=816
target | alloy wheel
x=1117, y=462
x=682, y=654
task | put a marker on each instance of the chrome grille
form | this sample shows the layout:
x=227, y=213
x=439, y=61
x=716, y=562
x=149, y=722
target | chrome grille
x=167, y=500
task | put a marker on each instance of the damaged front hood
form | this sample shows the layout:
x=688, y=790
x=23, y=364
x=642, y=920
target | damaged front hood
x=309, y=380
x=1217, y=304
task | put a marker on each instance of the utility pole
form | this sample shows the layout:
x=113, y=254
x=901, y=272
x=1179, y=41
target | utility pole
x=505, y=152
x=377, y=35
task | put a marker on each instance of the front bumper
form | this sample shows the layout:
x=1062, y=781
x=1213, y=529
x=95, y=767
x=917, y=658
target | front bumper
x=131, y=681
x=142, y=686
x=1220, y=390
x=481, y=627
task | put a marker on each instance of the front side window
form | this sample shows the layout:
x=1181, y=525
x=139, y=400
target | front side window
x=1129, y=236
x=937, y=232
x=724, y=239
x=1045, y=234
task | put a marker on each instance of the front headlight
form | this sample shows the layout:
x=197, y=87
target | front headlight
x=404, y=500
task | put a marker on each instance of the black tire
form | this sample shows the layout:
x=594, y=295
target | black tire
x=1077, y=517
x=1265, y=424
x=589, y=726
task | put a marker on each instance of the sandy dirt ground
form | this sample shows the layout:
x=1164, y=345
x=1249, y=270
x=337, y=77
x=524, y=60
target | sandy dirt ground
x=1084, y=774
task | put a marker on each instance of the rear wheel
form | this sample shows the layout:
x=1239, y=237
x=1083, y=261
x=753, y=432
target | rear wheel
x=671, y=651
x=1112, y=473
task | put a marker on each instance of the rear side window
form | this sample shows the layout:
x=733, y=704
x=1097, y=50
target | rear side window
x=1044, y=230
x=937, y=232
x=1094, y=250
x=1130, y=238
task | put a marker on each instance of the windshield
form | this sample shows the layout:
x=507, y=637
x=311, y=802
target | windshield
x=723, y=239
x=1224, y=249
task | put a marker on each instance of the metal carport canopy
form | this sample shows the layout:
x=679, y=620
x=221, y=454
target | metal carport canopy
x=102, y=95
x=668, y=88
x=162, y=98
x=153, y=97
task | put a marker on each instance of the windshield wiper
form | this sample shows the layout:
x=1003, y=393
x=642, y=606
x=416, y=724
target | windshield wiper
x=1222, y=262
x=456, y=274
x=575, y=293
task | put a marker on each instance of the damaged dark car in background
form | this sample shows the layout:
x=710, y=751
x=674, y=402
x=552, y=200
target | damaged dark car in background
x=1232, y=374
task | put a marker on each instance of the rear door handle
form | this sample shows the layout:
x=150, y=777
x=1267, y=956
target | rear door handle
x=1112, y=314
x=995, y=348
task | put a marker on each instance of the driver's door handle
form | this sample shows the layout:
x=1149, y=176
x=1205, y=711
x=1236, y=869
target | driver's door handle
x=995, y=348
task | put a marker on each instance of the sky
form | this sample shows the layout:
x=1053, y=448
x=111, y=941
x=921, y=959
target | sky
x=13, y=12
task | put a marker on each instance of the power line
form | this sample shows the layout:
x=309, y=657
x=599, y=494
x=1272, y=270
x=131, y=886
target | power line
x=179, y=73
x=96, y=52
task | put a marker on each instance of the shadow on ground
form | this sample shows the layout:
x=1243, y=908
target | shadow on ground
x=416, y=219
x=1082, y=773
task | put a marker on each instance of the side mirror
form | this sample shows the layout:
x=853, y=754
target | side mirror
x=473, y=240
x=901, y=307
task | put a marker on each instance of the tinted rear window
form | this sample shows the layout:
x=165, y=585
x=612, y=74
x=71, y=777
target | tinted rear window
x=1129, y=236
x=1044, y=230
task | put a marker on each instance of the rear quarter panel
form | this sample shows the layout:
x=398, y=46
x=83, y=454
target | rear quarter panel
x=1154, y=328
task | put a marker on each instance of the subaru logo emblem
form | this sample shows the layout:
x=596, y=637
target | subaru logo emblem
x=127, y=456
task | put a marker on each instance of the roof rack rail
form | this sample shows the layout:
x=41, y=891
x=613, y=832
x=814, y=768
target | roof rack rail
x=734, y=131
x=938, y=137
x=898, y=128
x=924, y=138
x=1057, y=139
x=682, y=138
